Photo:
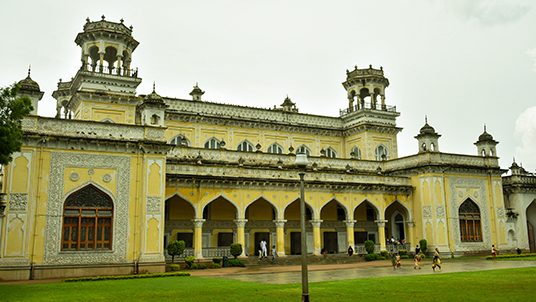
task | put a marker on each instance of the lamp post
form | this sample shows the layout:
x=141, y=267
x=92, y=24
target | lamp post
x=301, y=162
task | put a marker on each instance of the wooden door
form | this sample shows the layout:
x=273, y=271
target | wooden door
x=295, y=243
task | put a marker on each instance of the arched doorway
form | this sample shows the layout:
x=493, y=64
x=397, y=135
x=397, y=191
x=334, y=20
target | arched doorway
x=292, y=228
x=333, y=228
x=260, y=226
x=397, y=216
x=179, y=214
x=219, y=229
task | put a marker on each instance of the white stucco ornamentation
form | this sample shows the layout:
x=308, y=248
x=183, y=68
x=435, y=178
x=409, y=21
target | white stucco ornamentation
x=61, y=161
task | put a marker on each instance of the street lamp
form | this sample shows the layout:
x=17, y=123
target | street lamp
x=301, y=162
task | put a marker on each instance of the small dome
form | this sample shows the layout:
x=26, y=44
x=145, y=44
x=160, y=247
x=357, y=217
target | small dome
x=154, y=98
x=485, y=137
x=28, y=84
x=427, y=129
x=196, y=91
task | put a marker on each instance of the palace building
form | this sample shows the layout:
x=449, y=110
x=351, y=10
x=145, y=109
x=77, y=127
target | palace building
x=103, y=186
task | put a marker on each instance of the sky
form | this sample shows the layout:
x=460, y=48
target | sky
x=462, y=63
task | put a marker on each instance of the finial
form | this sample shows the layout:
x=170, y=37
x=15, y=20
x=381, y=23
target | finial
x=102, y=17
x=87, y=20
x=355, y=67
x=426, y=119
x=484, y=127
x=29, y=70
x=196, y=84
x=381, y=68
x=131, y=27
x=514, y=159
x=121, y=20
x=370, y=66
x=154, y=86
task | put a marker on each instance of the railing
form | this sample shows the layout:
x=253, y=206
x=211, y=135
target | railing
x=210, y=252
x=391, y=248
x=360, y=249
x=124, y=72
x=367, y=106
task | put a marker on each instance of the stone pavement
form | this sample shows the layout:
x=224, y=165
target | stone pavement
x=277, y=274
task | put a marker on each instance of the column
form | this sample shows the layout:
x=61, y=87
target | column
x=101, y=61
x=198, y=238
x=381, y=233
x=118, y=65
x=317, y=244
x=240, y=237
x=411, y=239
x=383, y=102
x=350, y=103
x=280, y=235
x=350, y=233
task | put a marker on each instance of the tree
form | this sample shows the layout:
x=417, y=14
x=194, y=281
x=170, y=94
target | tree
x=369, y=246
x=424, y=245
x=12, y=109
x=176, y=248
x=236, y=249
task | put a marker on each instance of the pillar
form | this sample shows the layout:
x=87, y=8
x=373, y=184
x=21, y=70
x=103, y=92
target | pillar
x=198, y=238
x=383, y=102
x=411, y=233
x=381, y=233
x=119, y=64
x=350, y=103
x=240, y=237
x=317, y=244
x=280, y=237
x=101, y=61
x=350, y=233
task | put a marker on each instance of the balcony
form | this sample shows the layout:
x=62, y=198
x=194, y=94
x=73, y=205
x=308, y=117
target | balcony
x=122, y=72
x=367, y=106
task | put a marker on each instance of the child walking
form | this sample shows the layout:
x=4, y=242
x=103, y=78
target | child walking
x=437, y=260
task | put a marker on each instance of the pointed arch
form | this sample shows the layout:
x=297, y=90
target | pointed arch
x=303, y=149
x=220, y=208
x=366, y=211
x=275, y=148
x=331, y=153
x=261, y=209
x=87, y=220
x=397, y=216
x=292, y=211
x=381, y=152
x=333, y=210
x=470, y=222
x=179, y=208
x=355, y=153
x=180, y=140
x=212, y=143
x=245, y=146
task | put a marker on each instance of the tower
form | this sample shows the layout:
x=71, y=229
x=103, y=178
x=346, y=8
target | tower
x=428, y=138
x=152, y=110
x=486, y=145
x=106, y=56
x=370, y=124
x=196, y=93
x=30, y=88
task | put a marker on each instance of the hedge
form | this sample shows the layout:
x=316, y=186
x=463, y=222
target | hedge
x=121, y=277
x=506, y=256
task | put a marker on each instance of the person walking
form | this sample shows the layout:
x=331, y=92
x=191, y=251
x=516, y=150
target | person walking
x=417, y=258
x=264, y=251
x=436, y=260
x=274, y=253
x=493, y=251
x=350, y=251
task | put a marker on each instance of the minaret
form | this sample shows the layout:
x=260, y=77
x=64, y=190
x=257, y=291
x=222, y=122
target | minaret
x=30, y=88
x=152, y=110
x=428, y=138
x=364, y=86
x=288, y=105
x=486, y=145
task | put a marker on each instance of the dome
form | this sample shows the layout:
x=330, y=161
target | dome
x=154, y=98
x=427, y=129
x=28, y=84
x=485, y=137
x=197, y=91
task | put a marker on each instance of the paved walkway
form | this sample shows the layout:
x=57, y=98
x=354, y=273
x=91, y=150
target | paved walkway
x=274, y=274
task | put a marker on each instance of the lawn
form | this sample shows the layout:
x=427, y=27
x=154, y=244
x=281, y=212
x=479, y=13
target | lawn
x=496, y=285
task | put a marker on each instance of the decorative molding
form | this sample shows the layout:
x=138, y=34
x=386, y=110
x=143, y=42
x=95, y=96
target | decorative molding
x=107, y=178
x=427, y=212
x=56, y=196
x=153, y=205
x=74, y=176
x=18, y=202
x=440, y=212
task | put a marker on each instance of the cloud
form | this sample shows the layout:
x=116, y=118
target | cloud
x=525, y=132
x=490, y=12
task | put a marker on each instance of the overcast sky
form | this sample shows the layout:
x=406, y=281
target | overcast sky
x=462, y=63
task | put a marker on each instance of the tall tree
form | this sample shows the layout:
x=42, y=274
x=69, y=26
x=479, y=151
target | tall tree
x=13, y=108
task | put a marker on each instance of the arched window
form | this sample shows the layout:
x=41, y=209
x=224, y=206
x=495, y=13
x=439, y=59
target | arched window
x=275, y=149
x=245, y=146
x=470, y=226
x=355, y=153
x=381, y=153
x=212, y=143
x=87, y=220
x=303, y=150
x=180, y=140
x=331, y=153
x=155, y=119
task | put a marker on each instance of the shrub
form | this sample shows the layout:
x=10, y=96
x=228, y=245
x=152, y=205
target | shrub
x=214, y=265
x=175, y=248
x=121, y=277
x=236, y=249
x=198, y=266
x=369, y=246
x=371, y=257
x=384, y=254
x=424, y=245
x=189, y=261
x=402, y=253
x=174, y=267
x=236, y=262
x=216, y=260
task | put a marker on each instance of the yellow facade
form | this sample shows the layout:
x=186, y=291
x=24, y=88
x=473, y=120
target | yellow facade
x=158, y=169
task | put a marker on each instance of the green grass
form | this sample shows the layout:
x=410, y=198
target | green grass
x=496, y=285
x=528, y=258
